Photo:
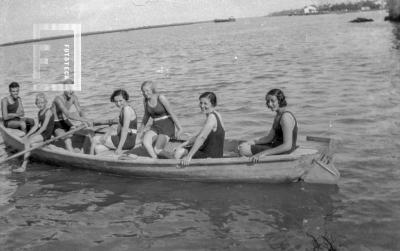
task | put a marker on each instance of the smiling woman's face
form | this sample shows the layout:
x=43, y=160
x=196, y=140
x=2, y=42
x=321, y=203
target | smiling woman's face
x=205, y=105
x=119, y=101
x=272, y=102
x=147, y=91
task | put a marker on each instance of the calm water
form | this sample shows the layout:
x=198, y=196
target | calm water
x=341, y=79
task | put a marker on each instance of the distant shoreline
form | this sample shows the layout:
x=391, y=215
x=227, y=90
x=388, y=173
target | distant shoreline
x=27, y=41
x=321, y=13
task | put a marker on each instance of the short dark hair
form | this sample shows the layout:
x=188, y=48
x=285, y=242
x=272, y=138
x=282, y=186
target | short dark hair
x=278, y=93
x=118, y=92
x=13, y=85
x=211, y=96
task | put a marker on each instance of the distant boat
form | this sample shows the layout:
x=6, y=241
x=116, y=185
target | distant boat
x=361, y=20
x=231, y=19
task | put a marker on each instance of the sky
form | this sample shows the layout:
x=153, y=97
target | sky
x=18, y=16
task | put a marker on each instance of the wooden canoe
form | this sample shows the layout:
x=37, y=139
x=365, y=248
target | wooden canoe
x=302, y=164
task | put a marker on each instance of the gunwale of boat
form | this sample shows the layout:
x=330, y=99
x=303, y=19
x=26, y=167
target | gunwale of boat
x=297, y=154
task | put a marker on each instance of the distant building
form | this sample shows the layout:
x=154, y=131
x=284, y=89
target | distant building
x=365, y=8
x=310, y=9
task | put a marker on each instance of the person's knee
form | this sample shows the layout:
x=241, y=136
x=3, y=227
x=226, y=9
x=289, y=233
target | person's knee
x=22, y=125
x=179, y=153
x=157, y=150
x=245, y=150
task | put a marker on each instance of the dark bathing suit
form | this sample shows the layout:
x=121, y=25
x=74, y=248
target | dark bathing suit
x=130, y=138
x=46, y=134
x=162, y=122
x=213, y=146
x=278, y=138
x=60, y=122
x=12, y=108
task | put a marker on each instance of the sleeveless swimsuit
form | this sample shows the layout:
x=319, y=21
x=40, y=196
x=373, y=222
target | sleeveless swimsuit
x=162, y=122
x=12, y=108
x=59, y=121
x=213, y=146
x=278, y=138
x=130, y=138
x=46, y=134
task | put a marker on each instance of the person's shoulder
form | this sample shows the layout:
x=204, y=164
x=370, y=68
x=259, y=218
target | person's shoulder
x=74, y=97
x=212, y=117
x=162, y=97
x=48, y=112
x=5, y=99
x=287, y=117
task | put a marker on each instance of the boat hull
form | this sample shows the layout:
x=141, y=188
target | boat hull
x=272, y=169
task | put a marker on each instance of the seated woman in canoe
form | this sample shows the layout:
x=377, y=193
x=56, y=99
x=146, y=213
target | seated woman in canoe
x=209, y=142
x=282, y=137
x=127, y=127
x=42, y=130
x=157, y=107
x=13, y=111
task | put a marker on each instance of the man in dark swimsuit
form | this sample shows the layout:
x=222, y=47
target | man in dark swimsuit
x=61, y=109
x=13, y=110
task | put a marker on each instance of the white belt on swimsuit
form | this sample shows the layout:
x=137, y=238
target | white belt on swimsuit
x=161, y=118
x=130, y=130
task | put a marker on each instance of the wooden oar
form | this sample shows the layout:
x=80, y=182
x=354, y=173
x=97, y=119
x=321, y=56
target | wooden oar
x=44, y=143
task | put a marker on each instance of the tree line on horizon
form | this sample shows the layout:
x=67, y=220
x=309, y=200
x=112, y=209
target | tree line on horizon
x=337, y=7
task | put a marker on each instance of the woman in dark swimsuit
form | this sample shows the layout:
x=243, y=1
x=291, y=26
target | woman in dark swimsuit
x=156, y=106
x=282, y=137
x=209, y=142
x=127, y=127
x=42, y=131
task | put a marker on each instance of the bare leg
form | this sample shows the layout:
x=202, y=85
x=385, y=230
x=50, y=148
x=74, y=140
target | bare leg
x=180, y=153
x=17, y=124
x=159, y=147
x=245, y=150
x=28, y=143
x=148, y=140
x=67, y=141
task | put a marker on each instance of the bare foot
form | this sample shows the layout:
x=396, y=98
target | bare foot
x=20, y=169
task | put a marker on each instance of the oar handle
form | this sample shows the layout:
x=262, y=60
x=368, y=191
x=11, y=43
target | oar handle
x=44, y=143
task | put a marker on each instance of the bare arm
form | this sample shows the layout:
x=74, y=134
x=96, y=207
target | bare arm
x=78, y=106
x=45, y=122
x=167, y=106
x=20, y=110
x=202, y=136
x=287, y=123
x=266, y=139
x=128, y=116
x=145, y=118
x=60, y=104
x=5, y=114
x=32, y=130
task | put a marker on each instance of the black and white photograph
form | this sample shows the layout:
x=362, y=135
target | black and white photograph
x=206, y=125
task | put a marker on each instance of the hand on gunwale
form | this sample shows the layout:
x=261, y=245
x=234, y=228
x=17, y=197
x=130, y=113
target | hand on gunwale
x=185, y=161
x=255, y=158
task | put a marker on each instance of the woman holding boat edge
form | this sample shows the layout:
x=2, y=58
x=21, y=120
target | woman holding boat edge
x=209, y=142
x=282, y=137
x=41, y=131
x=157, y=107
x=127, y=127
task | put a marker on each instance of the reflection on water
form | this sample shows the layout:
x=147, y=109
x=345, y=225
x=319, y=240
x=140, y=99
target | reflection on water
x=102, y=211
